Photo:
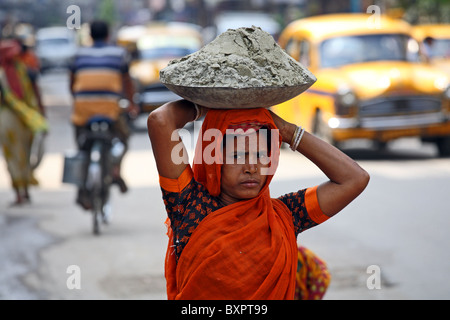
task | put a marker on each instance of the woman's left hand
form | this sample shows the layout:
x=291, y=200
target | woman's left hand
x=285, y=128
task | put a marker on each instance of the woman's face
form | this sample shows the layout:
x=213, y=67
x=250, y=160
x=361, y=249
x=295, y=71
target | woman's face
x=244, y=156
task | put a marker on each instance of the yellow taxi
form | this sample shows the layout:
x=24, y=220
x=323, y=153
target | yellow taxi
x=152, y=47
x=370, y=81
x=435, y=44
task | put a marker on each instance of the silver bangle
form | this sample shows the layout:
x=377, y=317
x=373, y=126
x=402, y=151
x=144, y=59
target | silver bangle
x=298, y=138
x=294, y=135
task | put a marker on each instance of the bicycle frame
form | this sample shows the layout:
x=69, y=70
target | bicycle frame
x=98, y=174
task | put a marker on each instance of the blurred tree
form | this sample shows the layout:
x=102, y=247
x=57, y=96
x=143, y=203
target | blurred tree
x=426, y=11
x=107, y=12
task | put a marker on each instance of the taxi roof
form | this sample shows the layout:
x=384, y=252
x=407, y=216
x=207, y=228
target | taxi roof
x=432, y=30
x=321, y=27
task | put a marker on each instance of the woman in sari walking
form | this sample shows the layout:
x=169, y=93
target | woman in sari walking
x=20, y=119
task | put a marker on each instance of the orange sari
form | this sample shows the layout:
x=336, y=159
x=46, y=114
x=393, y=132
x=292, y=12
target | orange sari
x=246, y=250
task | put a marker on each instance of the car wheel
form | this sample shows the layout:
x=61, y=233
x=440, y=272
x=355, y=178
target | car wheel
x=443, y=145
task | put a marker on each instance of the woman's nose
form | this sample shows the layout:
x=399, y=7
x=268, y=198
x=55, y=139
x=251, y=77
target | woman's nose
x=251, y=167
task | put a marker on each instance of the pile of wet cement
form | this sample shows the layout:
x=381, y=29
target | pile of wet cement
x=238, y=58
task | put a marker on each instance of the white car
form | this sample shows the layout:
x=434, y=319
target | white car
x=55, y=47
x=237, y=19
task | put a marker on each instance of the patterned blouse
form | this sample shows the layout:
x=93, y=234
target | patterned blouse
x=188, y=202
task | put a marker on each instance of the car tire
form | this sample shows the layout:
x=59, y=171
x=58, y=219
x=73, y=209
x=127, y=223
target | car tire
x=443, y=145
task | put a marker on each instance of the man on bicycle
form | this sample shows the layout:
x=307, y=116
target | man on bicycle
x=99, y=79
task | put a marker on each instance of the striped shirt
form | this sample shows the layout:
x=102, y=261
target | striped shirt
x=97, y=85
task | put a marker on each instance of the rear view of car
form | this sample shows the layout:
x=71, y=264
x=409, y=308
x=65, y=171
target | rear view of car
x=55, y=47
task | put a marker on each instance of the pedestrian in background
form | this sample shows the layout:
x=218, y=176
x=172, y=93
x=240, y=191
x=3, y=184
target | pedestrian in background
x=99, y=79
x=21, y=118
x=31, y=61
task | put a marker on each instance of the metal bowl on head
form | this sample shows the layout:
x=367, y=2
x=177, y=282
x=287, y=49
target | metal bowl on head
x=237, y=98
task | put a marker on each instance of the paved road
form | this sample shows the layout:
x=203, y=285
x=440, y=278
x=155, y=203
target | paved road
x=399, y=224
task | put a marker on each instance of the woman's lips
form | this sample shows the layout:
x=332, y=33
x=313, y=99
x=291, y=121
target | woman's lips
x=250, y=183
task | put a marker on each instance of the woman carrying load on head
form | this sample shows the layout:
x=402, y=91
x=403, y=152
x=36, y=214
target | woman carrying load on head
x=228, y=239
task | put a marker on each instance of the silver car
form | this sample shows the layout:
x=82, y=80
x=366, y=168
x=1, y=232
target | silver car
x=55, y=47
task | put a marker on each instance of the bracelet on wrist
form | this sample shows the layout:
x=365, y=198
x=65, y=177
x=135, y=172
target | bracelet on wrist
x=294, y=135
x=296, y=138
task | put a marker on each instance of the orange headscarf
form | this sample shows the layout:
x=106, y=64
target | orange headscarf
x=246, y=250
x=9, y=52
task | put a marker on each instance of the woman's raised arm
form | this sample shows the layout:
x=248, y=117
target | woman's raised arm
x=162, y=126
x=347, y=178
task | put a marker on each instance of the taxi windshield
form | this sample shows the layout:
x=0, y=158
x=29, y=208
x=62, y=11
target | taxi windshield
x=164, y=53
x=440, y=48
x=339, y=51
x=166, y=46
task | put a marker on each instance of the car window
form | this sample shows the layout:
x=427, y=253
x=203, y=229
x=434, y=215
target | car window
x=53, y=42
x=159, y=47
x=292, y=48
x=237, y=19
x=304, y=53
x=338, y=51
x=163, y=53
x=440, y=48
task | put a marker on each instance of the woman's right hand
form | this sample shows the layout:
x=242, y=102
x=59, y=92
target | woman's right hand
x=163, y=124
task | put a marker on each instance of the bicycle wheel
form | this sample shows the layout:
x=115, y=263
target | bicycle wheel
x=106, y=212
x=97, y=214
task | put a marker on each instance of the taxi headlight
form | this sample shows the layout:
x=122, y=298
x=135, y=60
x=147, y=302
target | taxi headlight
x=346, y=97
